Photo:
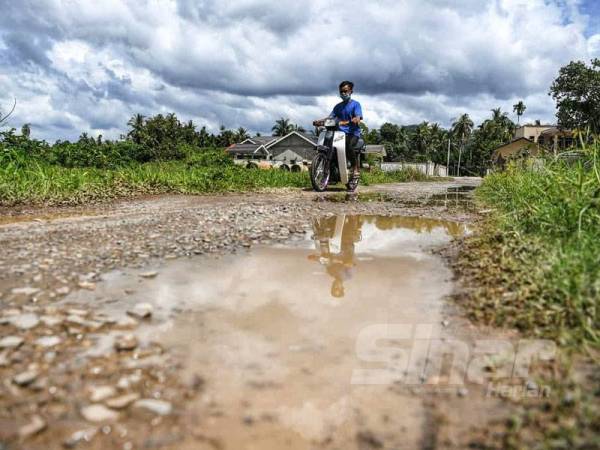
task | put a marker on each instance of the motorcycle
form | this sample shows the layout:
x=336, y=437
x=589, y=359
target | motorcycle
x=330, y=165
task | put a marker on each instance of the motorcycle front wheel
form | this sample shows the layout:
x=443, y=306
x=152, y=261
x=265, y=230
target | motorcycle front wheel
x=319, y=172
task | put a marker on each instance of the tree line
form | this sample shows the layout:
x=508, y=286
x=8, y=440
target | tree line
x=465, y=147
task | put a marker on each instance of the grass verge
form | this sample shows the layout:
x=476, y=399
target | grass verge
x=535, y=265
x=40, y=183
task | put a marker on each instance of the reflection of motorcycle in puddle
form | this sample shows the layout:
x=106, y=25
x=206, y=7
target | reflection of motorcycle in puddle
x=335, y=238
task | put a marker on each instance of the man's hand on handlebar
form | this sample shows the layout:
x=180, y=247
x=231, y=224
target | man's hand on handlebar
x=321, y=122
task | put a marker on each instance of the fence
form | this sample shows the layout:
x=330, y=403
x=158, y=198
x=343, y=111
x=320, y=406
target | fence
x=431, y=169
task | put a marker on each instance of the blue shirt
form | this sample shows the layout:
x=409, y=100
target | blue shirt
x=346, y=111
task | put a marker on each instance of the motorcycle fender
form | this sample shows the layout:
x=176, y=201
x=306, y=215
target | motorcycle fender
x=321, y=140
x=339, y=143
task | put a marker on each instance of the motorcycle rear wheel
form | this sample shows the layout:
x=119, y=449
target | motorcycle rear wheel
x=319, y=172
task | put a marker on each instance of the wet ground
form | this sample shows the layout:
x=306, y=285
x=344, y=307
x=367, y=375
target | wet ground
x=242, y=322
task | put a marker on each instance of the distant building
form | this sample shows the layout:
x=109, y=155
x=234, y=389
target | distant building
x=519, y=147
x=531, y=131
x=531, y=140
x=295, y=147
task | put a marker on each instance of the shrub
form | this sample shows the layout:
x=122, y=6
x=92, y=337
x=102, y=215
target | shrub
x=210, y=158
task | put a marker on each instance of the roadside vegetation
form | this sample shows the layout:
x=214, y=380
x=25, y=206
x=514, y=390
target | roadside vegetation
x=536, y=267
x=159, y=155
x=546, y=222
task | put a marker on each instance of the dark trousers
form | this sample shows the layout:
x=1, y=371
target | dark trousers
x=351, y=150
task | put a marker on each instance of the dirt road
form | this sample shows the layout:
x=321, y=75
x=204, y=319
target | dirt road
x=275, y=320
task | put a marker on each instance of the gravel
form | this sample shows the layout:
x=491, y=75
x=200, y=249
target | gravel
x=46, y=345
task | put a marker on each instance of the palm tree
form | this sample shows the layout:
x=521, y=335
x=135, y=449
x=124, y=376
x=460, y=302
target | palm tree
x=519, y=108
x=241, y=134
x=423, y=137
x=137, y=123
x=282, y=127
x=26, y=130
x=462, y=128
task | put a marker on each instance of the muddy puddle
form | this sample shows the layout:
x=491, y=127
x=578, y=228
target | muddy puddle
x=457, y=197
x=312, y=344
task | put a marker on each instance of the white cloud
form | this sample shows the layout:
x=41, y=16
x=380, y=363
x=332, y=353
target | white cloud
x=246, y=62
x=594, y=46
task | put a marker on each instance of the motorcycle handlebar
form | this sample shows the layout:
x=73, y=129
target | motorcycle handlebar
x=319, y=123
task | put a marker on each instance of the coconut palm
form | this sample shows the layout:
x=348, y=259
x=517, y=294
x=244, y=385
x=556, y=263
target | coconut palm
x=462, y=128
x=241, y=134
x=282, y=127
x=519, y=108
x=137, y=123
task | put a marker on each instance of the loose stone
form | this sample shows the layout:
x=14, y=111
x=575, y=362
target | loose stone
x=48, y=341
x=36, y=425
x=25, y=378
x=150, y=274
x=122, y=401
x=11, y=342
x=99, y=413
x=28, y=290
x=99, y=393
x=159, y=407
x=141, y=310
x=127, y=342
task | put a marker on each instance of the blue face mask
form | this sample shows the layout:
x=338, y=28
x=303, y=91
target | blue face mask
x=345, y=96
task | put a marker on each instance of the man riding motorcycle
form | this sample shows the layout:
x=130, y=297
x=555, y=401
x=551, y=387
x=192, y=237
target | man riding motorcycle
x=349, y=114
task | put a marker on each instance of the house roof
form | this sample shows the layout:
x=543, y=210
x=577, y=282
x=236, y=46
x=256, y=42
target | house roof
x=555, y=130
x=306, y=136
x=245, y=149
x=523, y=140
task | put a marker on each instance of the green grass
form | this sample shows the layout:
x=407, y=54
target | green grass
x=35, y=182
x=547, y=228
x=535, y=265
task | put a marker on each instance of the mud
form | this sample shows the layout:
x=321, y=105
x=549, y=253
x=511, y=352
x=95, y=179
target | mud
x=263, y=321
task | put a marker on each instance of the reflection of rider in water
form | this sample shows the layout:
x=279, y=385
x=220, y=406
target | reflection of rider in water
x=339, y=265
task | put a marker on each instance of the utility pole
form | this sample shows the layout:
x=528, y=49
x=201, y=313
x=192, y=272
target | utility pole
x=448, y=159
x=459, y=155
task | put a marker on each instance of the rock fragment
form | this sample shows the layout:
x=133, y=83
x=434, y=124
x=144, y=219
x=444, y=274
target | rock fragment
x=160, y=407
x=48, y=341
x=51, y=321
x=141, y=310
x=28, y=290
x=25, y=321
x=122, y=401
x=25, y=378
x=126, y=342
x=63, y=290
x=150, y=274
x=11, y=342
x=80, y=436
x=99, y=413
x=100, y=393
x=36, y=425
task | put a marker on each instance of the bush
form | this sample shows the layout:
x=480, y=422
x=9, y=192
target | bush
x=89, y=153
x=210, y=158
x=549, y=241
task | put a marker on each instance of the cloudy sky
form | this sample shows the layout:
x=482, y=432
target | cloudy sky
x=89, y=65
